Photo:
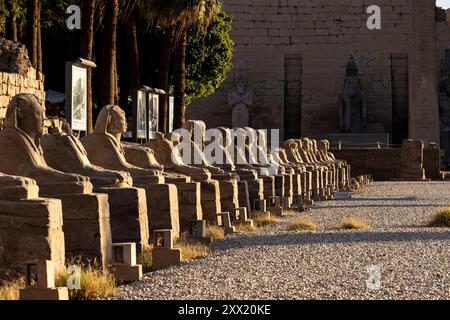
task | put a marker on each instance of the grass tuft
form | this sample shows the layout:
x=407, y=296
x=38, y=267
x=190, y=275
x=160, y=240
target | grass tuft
x=95, y=283
x=354, y=224
x=265, y=220
x=146, y=259
x=441, y=219
x=246, y=228
x=9, y=290
x=191, y=251
x=302, y=224
x=216, y=232
x=290, y=213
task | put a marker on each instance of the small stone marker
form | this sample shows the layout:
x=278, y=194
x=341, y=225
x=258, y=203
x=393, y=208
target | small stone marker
x=275, y=206
x=40, y=283
x=163, y=254
x=197, y=232
x=124, y=265
x=242, y=217
x=229, y=229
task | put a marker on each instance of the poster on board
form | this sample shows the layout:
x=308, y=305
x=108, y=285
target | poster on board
x=76, y=96
x=139, y=114
x=153, y=115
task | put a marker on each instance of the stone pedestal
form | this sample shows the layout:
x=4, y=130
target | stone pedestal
x=279, y=186
x=244, y=199
x=228, y=194
x=128, y=215
x=210, y=200
x=189, y=203
x=30, y=230
x=162, y=204
x=86, y=227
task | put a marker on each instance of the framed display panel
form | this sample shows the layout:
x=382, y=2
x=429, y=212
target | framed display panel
x=76, y=96
x=153, y=115
x=139, y=114
x=171, y=112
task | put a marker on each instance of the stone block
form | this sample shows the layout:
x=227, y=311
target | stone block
x=87, y=227
x=128, y=215
x=163, y=211
x=210, y=200
x=163, y=258
x=44, y=294
x=125, y=273
x=31, y=230
x=124, y=254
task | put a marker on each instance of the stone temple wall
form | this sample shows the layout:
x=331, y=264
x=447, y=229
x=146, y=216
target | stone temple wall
x=17, y=75
x=294, y=54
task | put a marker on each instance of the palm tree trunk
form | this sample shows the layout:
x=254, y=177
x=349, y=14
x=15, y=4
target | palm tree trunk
x=87, y=47
x=33, y=13
x=11, y=23
x=180, y=82
x=109, y=52
x=39, y=44
x=131, y=76
x=163, y=81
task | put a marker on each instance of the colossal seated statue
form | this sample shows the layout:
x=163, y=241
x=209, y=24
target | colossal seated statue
x=104, y=149
x=30, y=227
x=128, y=205
x=85, y=215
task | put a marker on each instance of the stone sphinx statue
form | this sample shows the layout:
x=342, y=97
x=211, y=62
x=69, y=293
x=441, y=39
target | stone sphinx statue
x=240, y=98
x=66, y=153
x=21, y=153
x=86, y=222
x=444, y=106
x=352, y=102
x=104, y=147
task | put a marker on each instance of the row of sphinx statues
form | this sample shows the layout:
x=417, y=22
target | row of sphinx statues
x=61, y=196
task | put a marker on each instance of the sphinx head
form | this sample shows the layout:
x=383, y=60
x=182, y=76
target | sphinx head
x=111, y=119
x=321, y=146
x=25, y=113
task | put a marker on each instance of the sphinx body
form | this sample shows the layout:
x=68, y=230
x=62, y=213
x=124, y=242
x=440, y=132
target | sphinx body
x=128, y=205
x=104, y=149
x=85, y=215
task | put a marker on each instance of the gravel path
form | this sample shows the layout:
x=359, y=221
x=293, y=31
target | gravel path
x=414, y=262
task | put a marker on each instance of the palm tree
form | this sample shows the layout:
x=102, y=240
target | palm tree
x=32, y=34
x=87, y=46
x=11, y=23
x=198, y=14
x=130, y=75
x=109, y=73
x=178, y=16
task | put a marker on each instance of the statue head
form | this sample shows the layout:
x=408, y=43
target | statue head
x=304, y=144
x=25, y=113
x=240, y=82
x=111, y=119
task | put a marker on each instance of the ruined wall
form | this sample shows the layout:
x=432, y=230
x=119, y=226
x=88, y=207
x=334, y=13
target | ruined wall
x=385, y=164
x=321, y=34
x=17, y=75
